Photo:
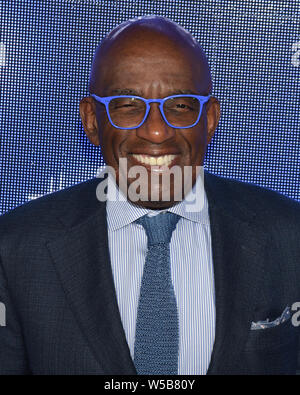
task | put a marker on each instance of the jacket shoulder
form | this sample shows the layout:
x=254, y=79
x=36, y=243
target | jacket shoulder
x=38, y=216
x=266, y=205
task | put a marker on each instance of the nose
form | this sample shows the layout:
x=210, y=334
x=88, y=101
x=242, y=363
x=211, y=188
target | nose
x=155, y=129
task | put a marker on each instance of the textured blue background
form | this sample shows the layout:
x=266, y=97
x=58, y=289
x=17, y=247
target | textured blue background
x=45, y=55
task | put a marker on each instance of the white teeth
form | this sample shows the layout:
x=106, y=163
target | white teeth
x=160, y=160
x=146, y=160
x=164, y=160
x=152, y=161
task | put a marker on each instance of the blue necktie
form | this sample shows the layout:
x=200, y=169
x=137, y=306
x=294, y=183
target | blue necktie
x=157, y=327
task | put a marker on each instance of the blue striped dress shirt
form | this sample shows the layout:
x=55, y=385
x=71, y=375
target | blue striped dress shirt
x=191, y=270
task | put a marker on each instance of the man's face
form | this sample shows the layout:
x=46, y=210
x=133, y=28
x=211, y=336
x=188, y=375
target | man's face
x=151, y=70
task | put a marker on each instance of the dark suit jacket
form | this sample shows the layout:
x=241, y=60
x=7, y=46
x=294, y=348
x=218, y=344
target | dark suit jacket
x=61, y=308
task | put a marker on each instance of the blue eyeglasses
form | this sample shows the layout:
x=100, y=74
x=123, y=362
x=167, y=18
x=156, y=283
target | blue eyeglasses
x=130, y=112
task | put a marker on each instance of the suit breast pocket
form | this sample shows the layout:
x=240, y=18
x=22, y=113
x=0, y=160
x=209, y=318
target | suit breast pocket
x=272, y=350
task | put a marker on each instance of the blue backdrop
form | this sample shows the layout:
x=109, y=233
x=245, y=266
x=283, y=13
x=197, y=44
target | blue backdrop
x=45, y=54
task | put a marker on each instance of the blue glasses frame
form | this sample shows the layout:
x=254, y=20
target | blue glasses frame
x=106, y=100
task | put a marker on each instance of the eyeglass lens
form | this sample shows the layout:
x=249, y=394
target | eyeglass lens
x=129, y=112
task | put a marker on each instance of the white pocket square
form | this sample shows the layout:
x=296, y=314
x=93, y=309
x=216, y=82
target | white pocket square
x=270, y=324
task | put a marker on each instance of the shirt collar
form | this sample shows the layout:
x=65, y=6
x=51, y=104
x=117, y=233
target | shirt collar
x=122, y=212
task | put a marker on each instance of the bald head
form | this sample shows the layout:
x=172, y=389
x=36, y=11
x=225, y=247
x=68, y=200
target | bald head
x=152, y=36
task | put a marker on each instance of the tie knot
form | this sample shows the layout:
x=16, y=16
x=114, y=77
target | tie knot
x=159, y=228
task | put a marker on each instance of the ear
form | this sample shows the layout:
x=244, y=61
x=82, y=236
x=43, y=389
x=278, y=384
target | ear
x=213, y=113
x=87, y=110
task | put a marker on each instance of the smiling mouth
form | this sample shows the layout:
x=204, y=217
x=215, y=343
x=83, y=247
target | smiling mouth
x=148, y=160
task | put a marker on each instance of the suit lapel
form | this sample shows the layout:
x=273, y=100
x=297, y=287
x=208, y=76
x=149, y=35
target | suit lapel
x=238, y=256
x=81, y=258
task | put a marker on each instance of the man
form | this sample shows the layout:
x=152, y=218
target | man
x=77, y=274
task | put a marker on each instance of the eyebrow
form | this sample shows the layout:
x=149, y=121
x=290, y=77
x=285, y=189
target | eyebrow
x=183, y=92
x=127, y=92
